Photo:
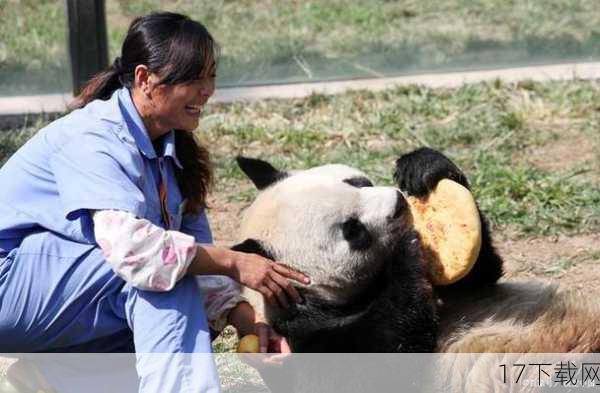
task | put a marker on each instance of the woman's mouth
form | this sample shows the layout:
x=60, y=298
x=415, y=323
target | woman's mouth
x=193, y=109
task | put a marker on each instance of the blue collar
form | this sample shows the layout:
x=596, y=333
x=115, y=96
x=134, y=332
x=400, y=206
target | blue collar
x=140, y=134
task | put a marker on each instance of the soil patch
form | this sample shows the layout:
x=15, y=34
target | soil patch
x=571, y=260
x=225, y=217
x=568, y=153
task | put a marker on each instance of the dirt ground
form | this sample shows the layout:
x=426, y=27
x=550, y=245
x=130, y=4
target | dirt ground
x=572, y=260
x=561, y=154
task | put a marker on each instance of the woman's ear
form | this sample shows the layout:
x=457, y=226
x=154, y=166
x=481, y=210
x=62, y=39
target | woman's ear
x=143, y=80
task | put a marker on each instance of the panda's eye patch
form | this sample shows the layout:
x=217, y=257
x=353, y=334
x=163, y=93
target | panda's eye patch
x=359, y=182
x=356, y=234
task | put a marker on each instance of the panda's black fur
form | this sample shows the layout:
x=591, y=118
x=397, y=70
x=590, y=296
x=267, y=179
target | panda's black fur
x=398, y=306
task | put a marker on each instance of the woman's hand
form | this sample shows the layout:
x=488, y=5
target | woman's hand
x=270, y=341
x=269, y=278
x=246, y=321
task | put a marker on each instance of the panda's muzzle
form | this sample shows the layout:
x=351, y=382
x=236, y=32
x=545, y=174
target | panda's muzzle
x=401, y=206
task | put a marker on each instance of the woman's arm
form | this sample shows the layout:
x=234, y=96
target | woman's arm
x=143, y=254
x=152, y=258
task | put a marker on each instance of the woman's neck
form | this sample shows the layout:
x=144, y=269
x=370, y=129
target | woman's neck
x=144, y=108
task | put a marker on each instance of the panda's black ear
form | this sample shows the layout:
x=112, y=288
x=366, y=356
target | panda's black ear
x=260, y=172
x=253, y=246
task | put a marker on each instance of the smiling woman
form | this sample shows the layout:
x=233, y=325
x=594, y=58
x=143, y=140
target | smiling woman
x=169, y=80
x=102, y=221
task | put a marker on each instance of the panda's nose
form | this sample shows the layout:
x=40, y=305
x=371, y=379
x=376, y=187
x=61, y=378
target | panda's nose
x=401, y=205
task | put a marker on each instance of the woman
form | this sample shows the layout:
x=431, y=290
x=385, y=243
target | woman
x=102, y=223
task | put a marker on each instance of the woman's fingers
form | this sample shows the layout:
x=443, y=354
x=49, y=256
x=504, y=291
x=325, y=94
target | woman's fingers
x=269, y=278
x=263, y=332
x=278, y=343
x=287, y=286
x=292, y=274
x=285, y=346
x=278, y=291
x=267, y=294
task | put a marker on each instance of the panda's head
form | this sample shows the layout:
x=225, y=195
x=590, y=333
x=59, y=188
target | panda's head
x=329, y=222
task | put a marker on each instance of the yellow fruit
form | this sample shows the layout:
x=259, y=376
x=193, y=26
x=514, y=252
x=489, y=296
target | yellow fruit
x=450, y=229
x=249, y=344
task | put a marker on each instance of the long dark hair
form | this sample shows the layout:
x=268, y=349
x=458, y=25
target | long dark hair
x=177, y=49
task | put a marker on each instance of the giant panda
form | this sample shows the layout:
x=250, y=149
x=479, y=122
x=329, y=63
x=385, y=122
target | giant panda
x=370, y=289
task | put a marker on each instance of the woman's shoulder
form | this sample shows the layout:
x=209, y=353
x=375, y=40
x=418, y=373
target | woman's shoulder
x=97, y=126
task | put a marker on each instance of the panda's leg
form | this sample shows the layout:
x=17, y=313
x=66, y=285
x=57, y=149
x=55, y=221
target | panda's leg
x=417, y=173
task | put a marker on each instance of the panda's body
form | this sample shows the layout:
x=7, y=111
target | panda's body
x=371, y=291
x=519, y=316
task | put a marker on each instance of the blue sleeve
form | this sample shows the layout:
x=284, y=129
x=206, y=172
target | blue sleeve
x=197, y=225
x=96, y=171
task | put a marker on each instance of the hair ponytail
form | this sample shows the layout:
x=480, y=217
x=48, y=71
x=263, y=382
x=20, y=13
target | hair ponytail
x=196, y=178
x=101, y=86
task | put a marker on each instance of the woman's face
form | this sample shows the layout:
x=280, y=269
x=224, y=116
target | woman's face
x=180, y=106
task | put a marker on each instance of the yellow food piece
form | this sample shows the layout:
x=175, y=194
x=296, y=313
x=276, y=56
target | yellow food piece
x=450, y=229
x=249, y=344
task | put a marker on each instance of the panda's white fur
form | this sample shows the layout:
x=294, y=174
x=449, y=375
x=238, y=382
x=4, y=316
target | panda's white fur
x=297, y=219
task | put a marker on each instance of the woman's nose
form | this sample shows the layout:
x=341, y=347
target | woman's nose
x=207, y=89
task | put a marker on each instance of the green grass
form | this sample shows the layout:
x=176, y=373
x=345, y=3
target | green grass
x=287, y=40
x=500, y=134
x=492, y=130
x=10, y=141
x=33, y=51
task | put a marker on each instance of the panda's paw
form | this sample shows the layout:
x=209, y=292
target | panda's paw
x=419, y=171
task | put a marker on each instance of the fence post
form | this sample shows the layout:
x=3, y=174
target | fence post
x=88, y=44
